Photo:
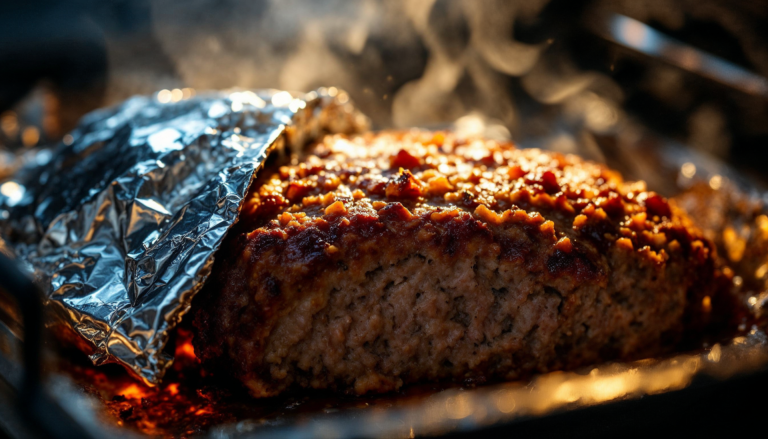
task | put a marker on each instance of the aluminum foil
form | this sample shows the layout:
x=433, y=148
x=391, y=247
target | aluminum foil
x=120, y=226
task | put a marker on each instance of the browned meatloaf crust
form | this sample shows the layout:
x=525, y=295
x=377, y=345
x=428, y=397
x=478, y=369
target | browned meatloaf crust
x=398, y=257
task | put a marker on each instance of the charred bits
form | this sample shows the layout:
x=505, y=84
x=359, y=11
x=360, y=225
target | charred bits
x=657, y=205
x=395, y=212
x=549, y=182
x=298, y=190
x=613, y=205
x=404, y=185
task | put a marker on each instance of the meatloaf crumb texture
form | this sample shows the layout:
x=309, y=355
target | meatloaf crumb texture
x=396, y=257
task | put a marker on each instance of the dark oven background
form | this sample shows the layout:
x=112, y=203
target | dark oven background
x=541, y=69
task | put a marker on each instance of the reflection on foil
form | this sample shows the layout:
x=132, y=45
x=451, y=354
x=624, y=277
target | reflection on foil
x=12, y=191
x=120, y=227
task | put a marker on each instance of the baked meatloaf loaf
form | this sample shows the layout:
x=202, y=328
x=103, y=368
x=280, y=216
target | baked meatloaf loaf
x=396, y=257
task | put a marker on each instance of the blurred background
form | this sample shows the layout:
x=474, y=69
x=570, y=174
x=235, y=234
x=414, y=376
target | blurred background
x=587, y=76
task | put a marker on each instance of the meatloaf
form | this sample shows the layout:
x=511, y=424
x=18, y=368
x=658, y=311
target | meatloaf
x=399, y=257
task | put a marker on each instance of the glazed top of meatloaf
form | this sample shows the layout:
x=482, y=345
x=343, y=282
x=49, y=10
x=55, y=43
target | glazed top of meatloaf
x=582, y=207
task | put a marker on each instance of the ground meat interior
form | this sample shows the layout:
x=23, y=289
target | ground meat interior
x=397, y=257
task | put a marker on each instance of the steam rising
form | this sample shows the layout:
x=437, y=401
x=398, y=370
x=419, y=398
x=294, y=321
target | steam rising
x=405, y=63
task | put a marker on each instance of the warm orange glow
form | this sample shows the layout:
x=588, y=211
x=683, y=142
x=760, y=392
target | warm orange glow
x=9, y=123
x=133, y=391
x=30, y=136
x=173, y=410
x=186, y=350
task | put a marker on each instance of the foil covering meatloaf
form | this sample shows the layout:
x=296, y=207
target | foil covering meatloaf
x=396, y=257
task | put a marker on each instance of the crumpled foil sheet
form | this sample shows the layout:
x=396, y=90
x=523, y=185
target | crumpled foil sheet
x=119, y=227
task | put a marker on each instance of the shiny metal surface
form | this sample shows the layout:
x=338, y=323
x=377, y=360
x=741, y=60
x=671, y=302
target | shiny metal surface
x=120, y=224
x=639, y=36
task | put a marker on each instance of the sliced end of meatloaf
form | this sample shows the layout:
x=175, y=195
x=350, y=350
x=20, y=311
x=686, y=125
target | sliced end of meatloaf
x=398, y=257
